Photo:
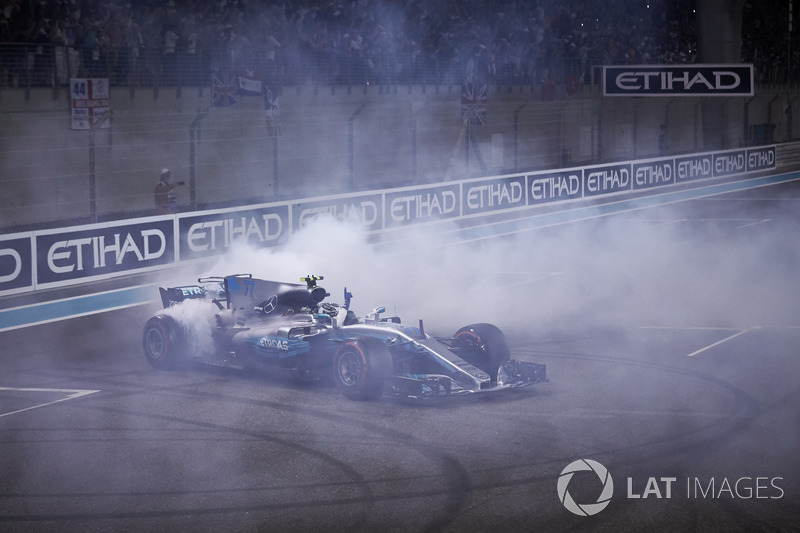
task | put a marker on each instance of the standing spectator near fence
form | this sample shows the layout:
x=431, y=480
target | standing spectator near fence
x=164, y=197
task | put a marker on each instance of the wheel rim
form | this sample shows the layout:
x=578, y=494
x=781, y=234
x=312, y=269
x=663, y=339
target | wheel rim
x=155, y=343
x=470, y=340
x=350, y=368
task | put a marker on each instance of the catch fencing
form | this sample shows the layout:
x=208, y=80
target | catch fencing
x=332, y=141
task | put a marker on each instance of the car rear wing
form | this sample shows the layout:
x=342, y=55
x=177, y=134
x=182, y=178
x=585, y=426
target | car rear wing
x=244, y=292
x=174, y=295
x=212, y=288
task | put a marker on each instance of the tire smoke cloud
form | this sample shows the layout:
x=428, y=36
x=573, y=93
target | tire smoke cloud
x=625, y=270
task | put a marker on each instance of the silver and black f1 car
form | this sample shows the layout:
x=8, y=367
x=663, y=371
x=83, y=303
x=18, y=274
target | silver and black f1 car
x=289, y=327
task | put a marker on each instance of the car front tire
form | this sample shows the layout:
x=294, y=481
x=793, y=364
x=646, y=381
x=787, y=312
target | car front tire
x=484, y=346
x=360, y=368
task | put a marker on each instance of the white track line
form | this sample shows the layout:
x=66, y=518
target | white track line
x=660, y=223
x=75, y=394
x=692, y=328
x=756, y=223
x=726, y=339
x=738, y=331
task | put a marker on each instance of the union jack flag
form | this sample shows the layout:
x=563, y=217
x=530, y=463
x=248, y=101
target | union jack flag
x=223, y=89
x=272, y=111
x=473, y=103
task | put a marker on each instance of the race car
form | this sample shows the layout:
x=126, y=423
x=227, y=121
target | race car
x=290, y=327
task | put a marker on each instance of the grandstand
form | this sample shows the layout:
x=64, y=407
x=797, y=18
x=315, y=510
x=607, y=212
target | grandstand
x=353, y=95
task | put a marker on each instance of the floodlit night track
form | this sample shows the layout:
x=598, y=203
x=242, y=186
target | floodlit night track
x=670, y=335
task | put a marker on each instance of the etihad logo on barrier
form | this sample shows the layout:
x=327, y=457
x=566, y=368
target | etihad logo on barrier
x=678, y=80
x=423, y=204
x=604, y=180
x=211, y=234
x=95, y=251
x=546, y=187
x=495, y=194
x=366, y=210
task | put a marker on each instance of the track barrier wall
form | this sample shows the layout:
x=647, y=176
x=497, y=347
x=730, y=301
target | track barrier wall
x=67, y=256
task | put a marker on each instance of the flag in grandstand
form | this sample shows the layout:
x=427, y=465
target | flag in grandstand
x=249, y=83
x=272, y=110
x=223, y=90
x=473, y=103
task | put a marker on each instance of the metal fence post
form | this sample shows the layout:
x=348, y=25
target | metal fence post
x=193, y=129
x=92, y=177
x=516, y=135
x=275, y=166
x=351, y=157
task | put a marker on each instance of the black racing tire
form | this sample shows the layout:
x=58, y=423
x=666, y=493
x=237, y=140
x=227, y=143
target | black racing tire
x=360, y=368
x=164, y=342
x=484, y=346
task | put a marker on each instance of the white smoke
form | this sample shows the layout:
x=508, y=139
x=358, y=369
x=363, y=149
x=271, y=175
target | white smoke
x=198, y=321
x=616, y=271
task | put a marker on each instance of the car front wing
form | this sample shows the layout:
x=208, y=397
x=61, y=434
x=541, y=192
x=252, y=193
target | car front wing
x=511, y=375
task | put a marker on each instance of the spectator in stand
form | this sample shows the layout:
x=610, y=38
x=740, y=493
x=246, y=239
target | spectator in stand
x=170, y=56
x=326, y=41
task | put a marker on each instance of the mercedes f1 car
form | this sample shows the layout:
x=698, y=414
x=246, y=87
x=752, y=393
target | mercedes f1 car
x=290, y=327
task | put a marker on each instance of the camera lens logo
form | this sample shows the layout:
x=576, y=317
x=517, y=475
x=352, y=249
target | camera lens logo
x=585, y=509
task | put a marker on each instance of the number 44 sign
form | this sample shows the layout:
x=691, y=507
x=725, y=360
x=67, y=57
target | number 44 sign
x=90, y=103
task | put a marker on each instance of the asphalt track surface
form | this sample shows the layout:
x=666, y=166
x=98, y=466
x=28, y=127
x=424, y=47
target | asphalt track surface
x=697, y=424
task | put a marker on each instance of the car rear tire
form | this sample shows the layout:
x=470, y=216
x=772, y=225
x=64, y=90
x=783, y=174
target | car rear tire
x=164, y=342
x=484, y=346
x=360, y=368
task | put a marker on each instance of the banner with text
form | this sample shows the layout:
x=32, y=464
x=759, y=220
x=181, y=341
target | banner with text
x=60, y=257
x=90, y=103
x=678, y=80
x=16, y=263
x=101, y=251
x=209, y=234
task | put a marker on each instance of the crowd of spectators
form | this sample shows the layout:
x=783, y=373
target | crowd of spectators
x=289, y=42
